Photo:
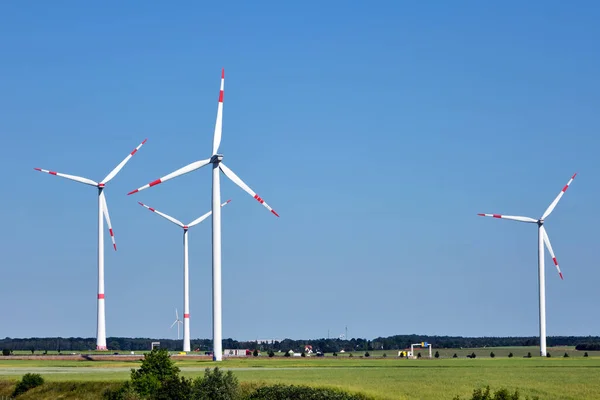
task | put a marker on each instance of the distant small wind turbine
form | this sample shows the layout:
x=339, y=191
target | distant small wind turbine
x=542, y=239
x=178, y=322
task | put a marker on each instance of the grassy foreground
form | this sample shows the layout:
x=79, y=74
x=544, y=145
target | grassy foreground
x=383, y=378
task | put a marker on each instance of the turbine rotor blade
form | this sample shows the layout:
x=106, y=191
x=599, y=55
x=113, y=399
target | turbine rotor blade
x=219, y=122
x=202, y=218
x=549, y=247
x=173, y=324
x=557, y=199
x=122, y=164
x=184, y=170
x=107, y=218
x=236, y=179
x=510, y=217
x=173, y=220
x=71, y=177
x=176, y=315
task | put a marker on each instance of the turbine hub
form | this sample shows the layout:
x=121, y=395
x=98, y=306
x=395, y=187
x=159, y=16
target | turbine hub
x=217, y=158
x=101, y=185
x=540, y=222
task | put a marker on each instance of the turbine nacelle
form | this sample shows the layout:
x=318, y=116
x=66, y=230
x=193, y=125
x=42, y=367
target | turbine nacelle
x=217, y=158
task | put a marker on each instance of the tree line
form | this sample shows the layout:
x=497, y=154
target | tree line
x=121, y=344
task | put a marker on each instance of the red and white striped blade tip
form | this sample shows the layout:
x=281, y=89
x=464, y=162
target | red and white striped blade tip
x=222, y=73
x=561, y=276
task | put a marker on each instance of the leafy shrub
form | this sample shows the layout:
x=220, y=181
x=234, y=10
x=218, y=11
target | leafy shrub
x=29, y=381
x=585, y=354
x=528, y=354
x=216, y=385
x=385, y=355
x=6, y=352
x=548, y=355
x=566, y=355
x=455, y=355
x=334, y=354
x=501, y=394
x=255, y=353
x=284, y=392
x=286, y=354
x=419, y=355
x=303, y=354
x=492, y=355
x=271, y=353
x=437, y=354
x=367, y=354
x=350, y=355
x=157, y=367
x=510, y=355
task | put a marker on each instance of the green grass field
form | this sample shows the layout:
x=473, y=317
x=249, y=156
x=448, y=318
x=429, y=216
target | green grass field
x=575, y=377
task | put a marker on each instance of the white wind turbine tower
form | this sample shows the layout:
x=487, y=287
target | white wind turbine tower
x=102, y=210
x=542, y=239
x=178, y=322
x=186, y=279
x=217, y=164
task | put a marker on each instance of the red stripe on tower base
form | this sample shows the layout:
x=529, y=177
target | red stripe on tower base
x=186, y=315
x=101, y=296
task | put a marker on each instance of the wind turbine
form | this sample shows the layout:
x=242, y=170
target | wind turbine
x=102, y=210
x=217, y=164
x=542, y=239
x=178, y=322
x=186, y=286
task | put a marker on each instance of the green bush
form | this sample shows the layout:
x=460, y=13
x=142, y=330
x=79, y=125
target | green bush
x=492, y=355
x=157, y=367
x=367, y=354
x=287, y=354
x=384, y=355
x=255, y=353
x=437, y=354
x=303, y=354
x=455, y=355
x=215, y=385
x=501, y=394
x=585, y=354
x=334, y=354
x=6, y=352
x=271, y=353
x=284, y=392
x=566, y=354
x=510, y=355
x=548, y=355
x=29, y=381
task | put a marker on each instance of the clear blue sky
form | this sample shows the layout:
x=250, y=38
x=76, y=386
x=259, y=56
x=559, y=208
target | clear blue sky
x=377, y=130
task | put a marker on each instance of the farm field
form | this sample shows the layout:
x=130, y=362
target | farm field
x=383, y=378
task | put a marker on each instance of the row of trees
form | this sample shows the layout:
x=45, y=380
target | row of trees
x=323, y=345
